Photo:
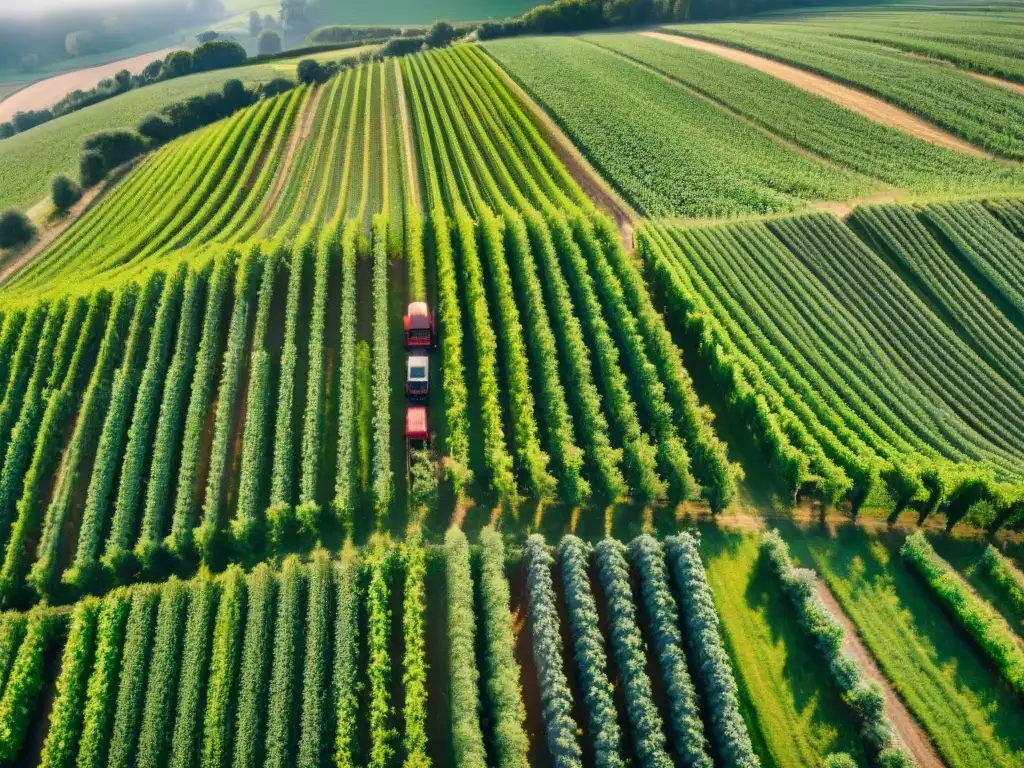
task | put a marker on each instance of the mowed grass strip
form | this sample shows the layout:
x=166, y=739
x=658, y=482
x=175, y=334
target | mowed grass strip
x=971, y=715
x=795, y=715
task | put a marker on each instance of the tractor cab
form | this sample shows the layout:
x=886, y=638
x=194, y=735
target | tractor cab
x=419, y=325
x=417, y=377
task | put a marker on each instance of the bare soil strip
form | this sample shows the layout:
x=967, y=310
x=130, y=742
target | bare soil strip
x=870, y=107
x=299, y=135
x=410, y=150
x=909, y=733
x=45, y=93
x=90, y=197
x=595, y=187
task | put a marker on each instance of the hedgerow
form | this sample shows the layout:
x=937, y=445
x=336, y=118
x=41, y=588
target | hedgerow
x=204, y=534
x=382, y=474
x=254, y=449
x=345, y=675
x=382, y=733
x=503, y=689
x=978, y=618
x=185, y=740
x=865, y=697
x=24, y=684
x=179, y=540
x=467, y=738
x=12, y=630
x=112, y=436
x=254, y=669
x=344, y=487
x=414, y=662
x=689, y=742
x=281, y=513
x=117, y=555
x=170, y=420
x=714, y=670
x=162, y=675
x=631, y=655
x=283, y=698
x=130, y=692
x=223, y=677
x=588, y=650
x=101, y=691
x=1005, y=576
x=316, y=670
x=555, y=695
x=62, y=737
x=94, y=404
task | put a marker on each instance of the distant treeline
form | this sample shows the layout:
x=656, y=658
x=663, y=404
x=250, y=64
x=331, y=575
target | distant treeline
x=32, y=41
x=216, y=54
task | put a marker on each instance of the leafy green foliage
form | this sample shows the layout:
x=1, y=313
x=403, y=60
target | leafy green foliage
x=224, y=660
x=24, y=684
x=414, y=661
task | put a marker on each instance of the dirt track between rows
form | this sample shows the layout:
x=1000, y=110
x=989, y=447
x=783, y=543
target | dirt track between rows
x=589, y=180
x=871, y=107
x=909, y=733
x=409, y=152
x=300, y=133
x=48, y=92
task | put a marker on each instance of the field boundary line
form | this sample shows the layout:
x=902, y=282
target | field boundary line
x=871, y=107
x=594, y=185
x=407, y=141
x=990, y=79
x=908, y=731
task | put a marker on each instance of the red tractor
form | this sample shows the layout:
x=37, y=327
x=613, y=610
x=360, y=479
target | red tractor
x=417, y=435
x=419, y=326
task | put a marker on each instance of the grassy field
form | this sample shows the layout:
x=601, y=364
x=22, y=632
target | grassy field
x=28, y=161
x=795, y=715
x=970, y=714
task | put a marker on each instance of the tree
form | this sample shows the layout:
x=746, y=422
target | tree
x=294, y=14
x=208, y=36
x=269, y=42
x=153, y=71
x=217, y=54
x=64, y=192
x=276, y=86
x=255, y=23
x=269, y=22
x=235, y=95
x=91, y=168
x=156, y=128
x=15, y=228
x=440, y=34
x=310, y=71
x=178, y=63
x=122, y=81
x=6, y=130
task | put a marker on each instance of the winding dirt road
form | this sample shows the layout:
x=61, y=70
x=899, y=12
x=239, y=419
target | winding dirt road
x=869, y=106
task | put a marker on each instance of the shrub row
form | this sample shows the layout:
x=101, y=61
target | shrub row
x=112, y=436
x=467, y=736
x=185, y=742
x=729, y=732
x=281, y=733
x=555, y=695
x=172, y=412
x=1006, y=577
x=631, y=655
x=588, y=649
x=346, y=663
x=865, y=697
x=383, y=482
x=179, y=540
x=382, y=733
x=978, y=618
x=61, y=743
x=316, y=671
x=344, y=490
x=94, y=403
x=132, y=684
x=116, y=555
x=690, y=743
x=503, y=690
x=254, y=669
x=24, y=684
x=414, y=675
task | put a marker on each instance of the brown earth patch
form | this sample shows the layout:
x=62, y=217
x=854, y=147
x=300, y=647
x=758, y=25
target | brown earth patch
x=46, y=93
x=908, y=732
x=595, y=187
x=869, y=106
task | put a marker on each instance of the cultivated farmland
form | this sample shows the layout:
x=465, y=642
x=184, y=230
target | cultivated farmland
x=780, y=333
